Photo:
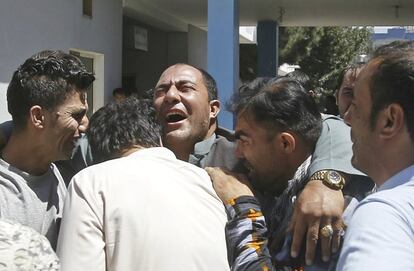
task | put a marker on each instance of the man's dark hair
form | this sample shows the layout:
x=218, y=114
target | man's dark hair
x=393, y=81
x=119, y=91
x=302, y=78
x=45, y=79
x=281, y=104
x=116, y=127
x=210, y=83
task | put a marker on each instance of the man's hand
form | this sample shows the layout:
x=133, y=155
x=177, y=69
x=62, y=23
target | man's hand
x=228, y=185
x=316, y=207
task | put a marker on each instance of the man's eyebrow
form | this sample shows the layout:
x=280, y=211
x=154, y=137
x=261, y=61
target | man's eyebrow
x=163, y=85
x=238, y=134
x=177, y=83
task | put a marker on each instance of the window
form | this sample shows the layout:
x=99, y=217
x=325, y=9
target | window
x=87, y=8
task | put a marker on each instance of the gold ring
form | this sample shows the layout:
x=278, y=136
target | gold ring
x=327, y=231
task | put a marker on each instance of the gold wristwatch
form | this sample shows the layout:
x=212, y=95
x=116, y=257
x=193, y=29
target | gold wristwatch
x=331, y=178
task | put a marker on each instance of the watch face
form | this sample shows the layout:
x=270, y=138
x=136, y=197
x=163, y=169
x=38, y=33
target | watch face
x=334, y=177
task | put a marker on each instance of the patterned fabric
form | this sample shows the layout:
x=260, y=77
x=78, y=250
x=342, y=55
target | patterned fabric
x=246, y=232
x=281, y=214
x=24, y=249
x=246, y=235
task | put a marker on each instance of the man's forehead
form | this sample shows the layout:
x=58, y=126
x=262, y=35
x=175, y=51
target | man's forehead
x=180, y=73
x=245, y=120
x=75, y=98
x=364, y=78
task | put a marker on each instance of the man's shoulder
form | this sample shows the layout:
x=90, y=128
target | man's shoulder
x=222, y=153
x=331, y=122
x=399, y=195
x=11, y=176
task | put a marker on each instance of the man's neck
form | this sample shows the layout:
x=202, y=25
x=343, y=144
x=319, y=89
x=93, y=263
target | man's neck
x=295, y=161
x=23, y=152
x=182, y=150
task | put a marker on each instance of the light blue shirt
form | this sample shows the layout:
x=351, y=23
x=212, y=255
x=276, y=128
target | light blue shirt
x=381, y=232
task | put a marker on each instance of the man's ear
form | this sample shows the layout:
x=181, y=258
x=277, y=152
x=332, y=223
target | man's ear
x=390, y=121
x=287, y=142
x=214, y=108
x=37, y=117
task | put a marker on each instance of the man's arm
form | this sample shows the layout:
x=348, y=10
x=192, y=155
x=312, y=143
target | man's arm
x=81, y=244
x=319, y=205
x=246, y=229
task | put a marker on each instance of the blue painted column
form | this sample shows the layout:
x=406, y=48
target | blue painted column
x=267, y=48
x=223, y=52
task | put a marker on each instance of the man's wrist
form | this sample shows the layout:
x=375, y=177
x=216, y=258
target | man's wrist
x=331, y=178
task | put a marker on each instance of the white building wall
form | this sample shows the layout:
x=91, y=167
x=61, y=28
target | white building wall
x=28, y=26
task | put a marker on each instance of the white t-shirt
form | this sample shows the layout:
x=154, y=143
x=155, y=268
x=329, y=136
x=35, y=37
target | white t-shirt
x=147, y=211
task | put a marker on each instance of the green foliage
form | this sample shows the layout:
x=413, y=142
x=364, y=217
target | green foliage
x=322, y=52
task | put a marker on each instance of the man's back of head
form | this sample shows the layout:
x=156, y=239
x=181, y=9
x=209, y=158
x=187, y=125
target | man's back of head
x=120, y=127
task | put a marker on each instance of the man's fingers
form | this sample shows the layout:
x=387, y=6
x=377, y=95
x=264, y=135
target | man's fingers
x=299, y=232
x=338, y=232
x=227, y=184
x=311, y=241
x=325, y=235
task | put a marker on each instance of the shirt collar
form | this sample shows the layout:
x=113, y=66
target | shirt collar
x=204, y=146
x=398, y=179
x=154, y=151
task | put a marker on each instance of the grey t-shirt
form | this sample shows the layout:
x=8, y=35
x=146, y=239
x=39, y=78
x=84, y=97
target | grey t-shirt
x=33, y=201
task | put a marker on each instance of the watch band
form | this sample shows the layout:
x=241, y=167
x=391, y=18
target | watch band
x=330, y=178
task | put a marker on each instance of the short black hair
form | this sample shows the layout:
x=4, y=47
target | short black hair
x=393, y=81
x=45, y=79
x=210, y=83
x=282, y=104
x=302, y=78
x=119, y=91
x=118, y=126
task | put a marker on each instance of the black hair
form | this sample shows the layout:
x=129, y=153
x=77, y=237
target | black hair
x=45, y=79
x=283, y=105
x=116, y=127
x=302, y=78
x=119, y=91
x=210, y=83
x=393, y=81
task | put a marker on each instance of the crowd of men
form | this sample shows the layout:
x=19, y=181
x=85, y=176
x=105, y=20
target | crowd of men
x=156, y=184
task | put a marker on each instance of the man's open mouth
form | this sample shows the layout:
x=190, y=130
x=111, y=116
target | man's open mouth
x=175, y=116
